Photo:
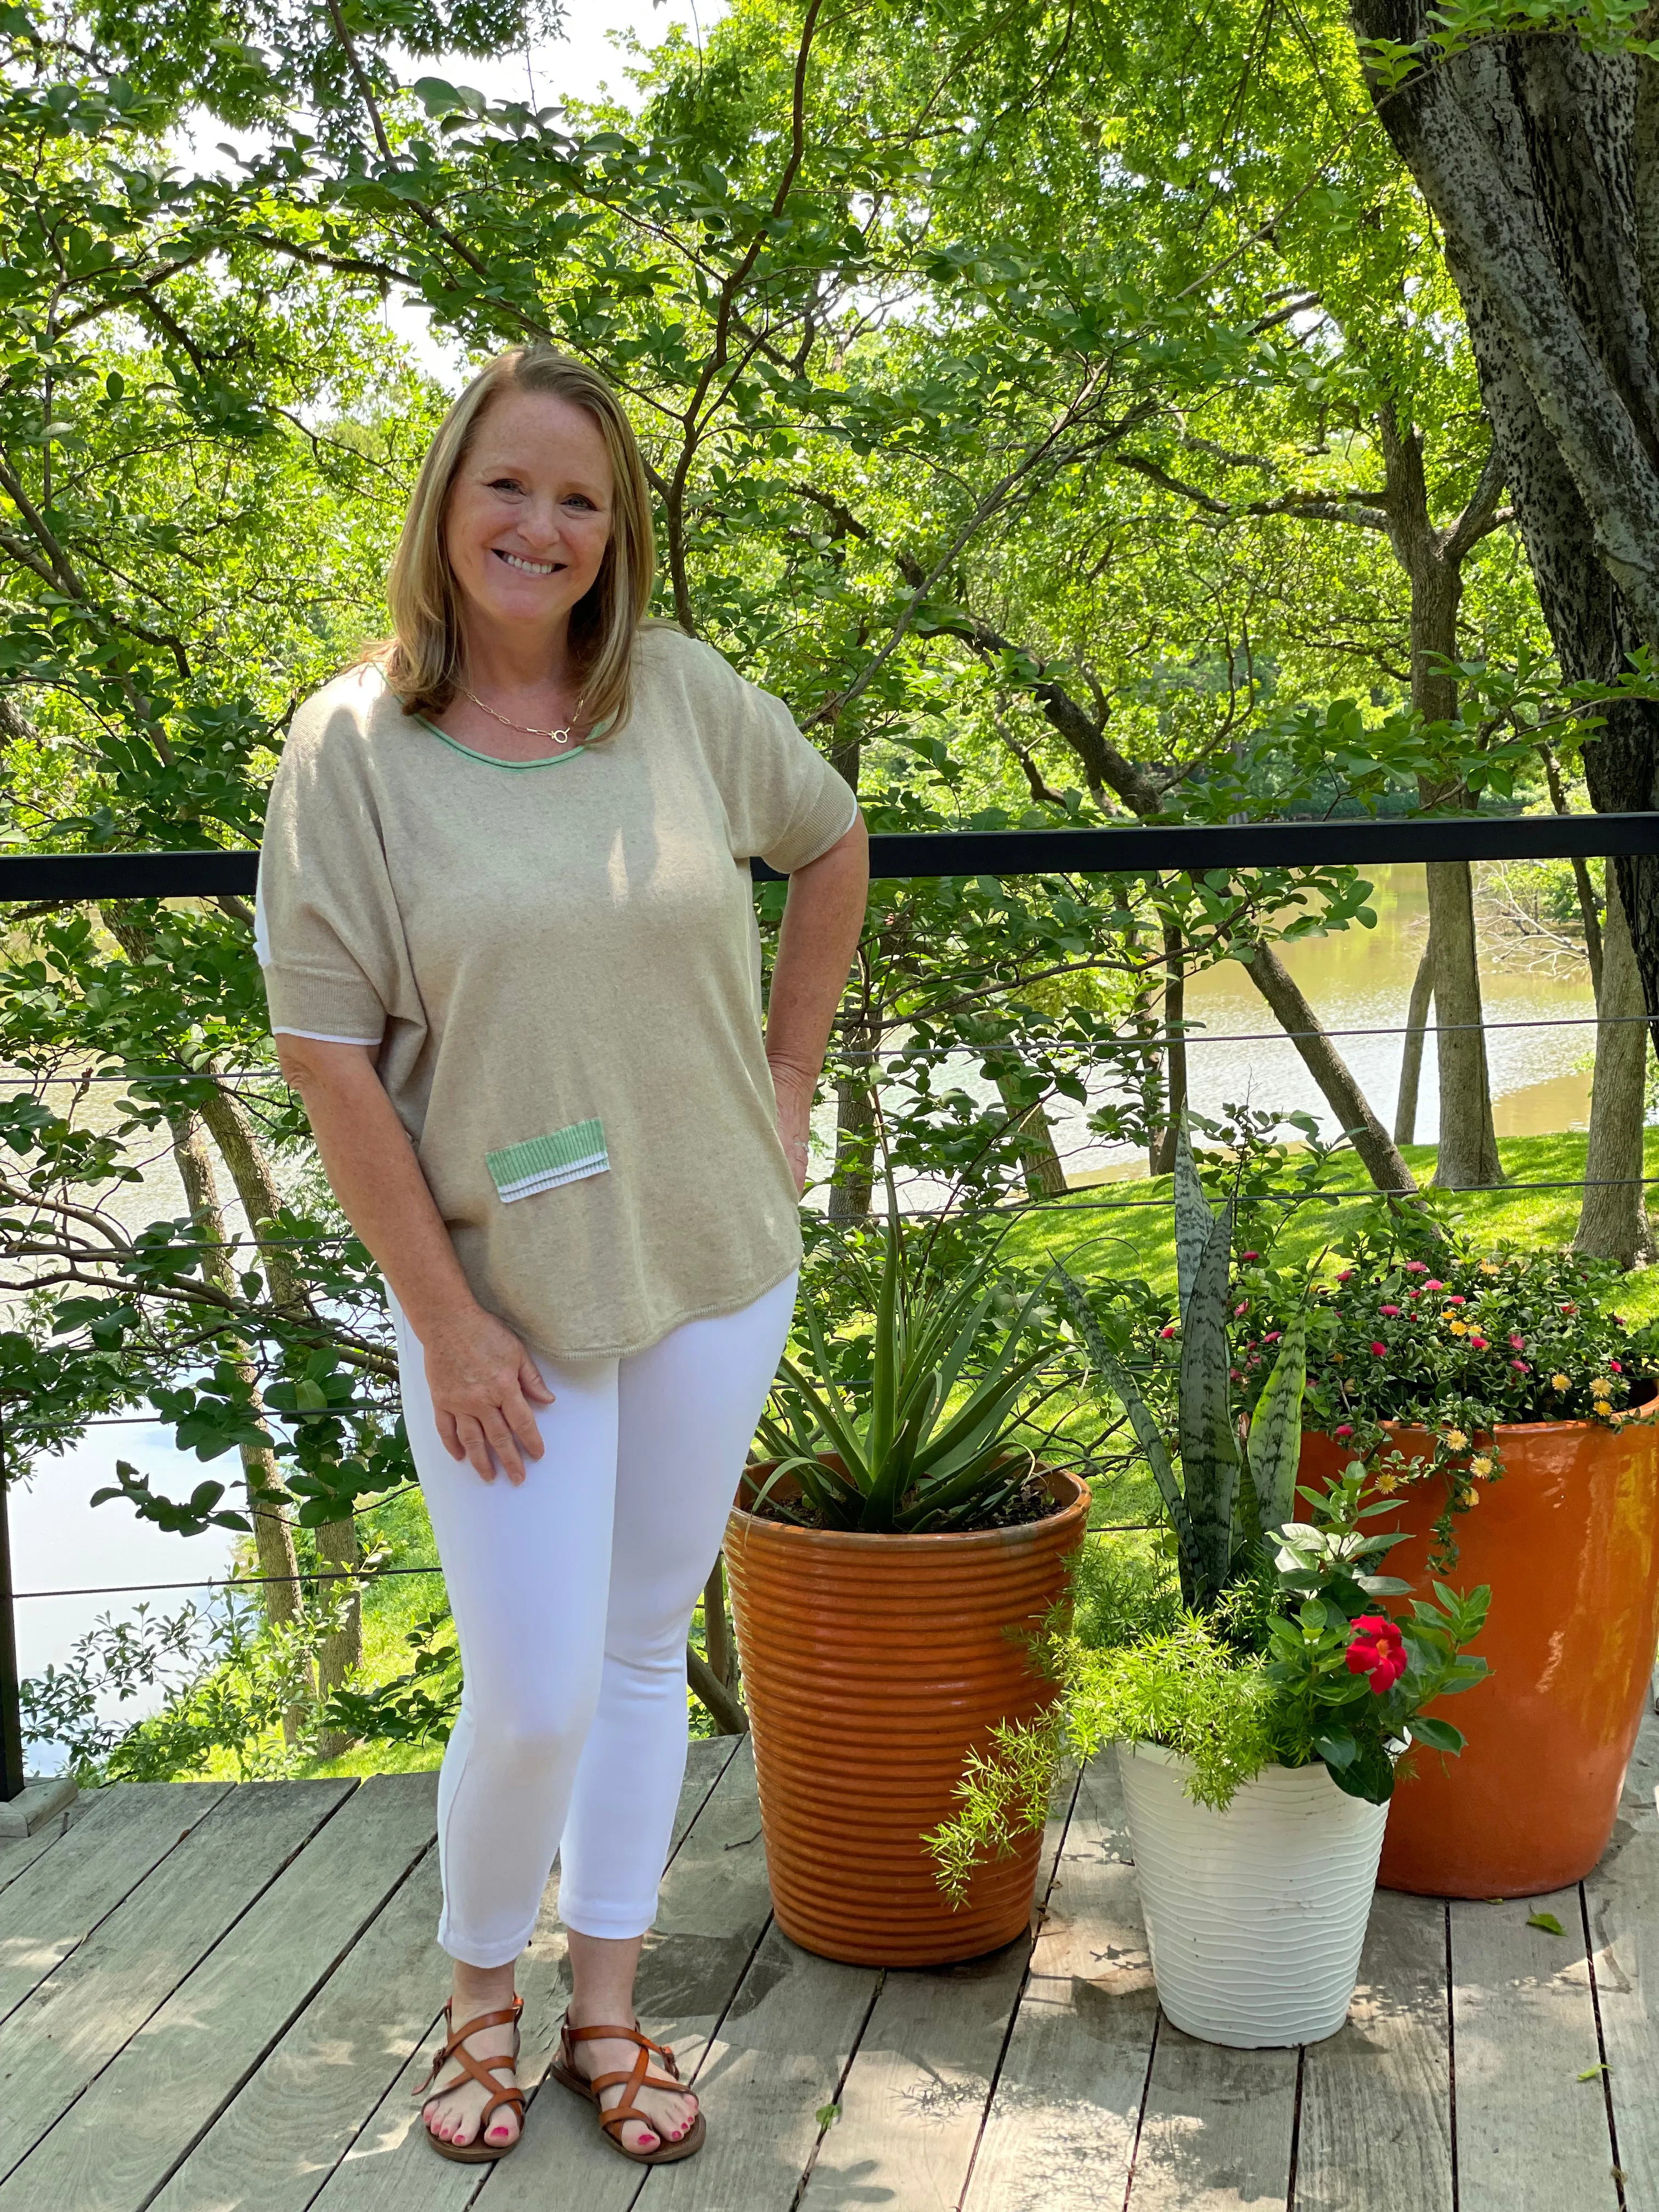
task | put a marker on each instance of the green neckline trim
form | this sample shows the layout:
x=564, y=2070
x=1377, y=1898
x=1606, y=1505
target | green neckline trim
x=548, y=760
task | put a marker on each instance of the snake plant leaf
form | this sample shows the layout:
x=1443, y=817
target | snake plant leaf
x=841, y=1433
x=1194, y=1221
x=1275, y=1439
x=1116, y=1377
x=1209, y=1449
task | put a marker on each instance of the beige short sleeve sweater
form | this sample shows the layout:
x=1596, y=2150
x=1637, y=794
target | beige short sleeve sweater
x=560, y=965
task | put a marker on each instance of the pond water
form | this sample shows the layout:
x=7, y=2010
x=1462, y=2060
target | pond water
x=1361, y=979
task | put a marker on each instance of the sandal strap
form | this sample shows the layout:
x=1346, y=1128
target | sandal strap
x=637, y=2077
x=481, y=2070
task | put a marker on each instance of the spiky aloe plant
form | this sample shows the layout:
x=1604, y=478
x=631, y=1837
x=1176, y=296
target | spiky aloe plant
x=929, y=1449
x=1224, y=1501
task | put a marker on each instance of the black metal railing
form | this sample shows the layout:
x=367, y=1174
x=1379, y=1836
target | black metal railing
x=40, y=879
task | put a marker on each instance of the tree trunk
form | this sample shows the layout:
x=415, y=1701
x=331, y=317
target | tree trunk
x=1329, y=1069
x=1175, y=1051
x=273, y=1539
x=1433, y=561
x=1411, y=1059
x=1033, y=1133
x=341, y=1654
x=1581, y=877
x=1469, y=1143
x=1541, y=162
x=852, y=1178
x=1612, y=1219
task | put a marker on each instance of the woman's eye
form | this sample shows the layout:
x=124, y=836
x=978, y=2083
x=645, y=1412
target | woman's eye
x=505, y=484
x=581, y=499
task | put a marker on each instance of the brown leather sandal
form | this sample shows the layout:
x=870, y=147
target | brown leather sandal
x=481, y=2070
x=638, y=2076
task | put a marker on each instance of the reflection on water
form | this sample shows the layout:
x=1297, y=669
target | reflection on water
x=1360, y=980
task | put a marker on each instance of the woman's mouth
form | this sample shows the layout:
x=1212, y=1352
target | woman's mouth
x=527, y=567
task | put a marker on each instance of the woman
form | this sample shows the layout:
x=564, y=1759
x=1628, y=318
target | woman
x=511, y=955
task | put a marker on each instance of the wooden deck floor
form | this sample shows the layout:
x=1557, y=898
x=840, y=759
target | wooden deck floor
x=211, y=1998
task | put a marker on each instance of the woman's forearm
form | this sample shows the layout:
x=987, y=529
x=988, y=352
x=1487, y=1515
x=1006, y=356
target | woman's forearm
x=823, y=916
x=373, y=1170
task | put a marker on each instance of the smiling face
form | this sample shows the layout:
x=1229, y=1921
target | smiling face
x=530, y=513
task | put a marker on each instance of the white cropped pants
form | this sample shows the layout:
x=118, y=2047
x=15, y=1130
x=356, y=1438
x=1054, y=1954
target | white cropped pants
x=572, y=1594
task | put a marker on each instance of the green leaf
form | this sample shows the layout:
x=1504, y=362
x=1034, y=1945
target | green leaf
x=1548, y=1922
x=1438, y=1735
x=1592, y=2073
x=828, y=2115
x=1275, y=1439
x=1116, y=1376
x=1194, y=1221
x=1337, y=1750
x=1209, y=1450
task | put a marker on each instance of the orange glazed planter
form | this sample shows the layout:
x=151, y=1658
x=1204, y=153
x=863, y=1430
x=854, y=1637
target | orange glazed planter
x=1569, y=1541
x=872, y=1664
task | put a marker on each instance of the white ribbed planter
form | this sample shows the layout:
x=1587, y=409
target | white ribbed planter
x=1254, y=1917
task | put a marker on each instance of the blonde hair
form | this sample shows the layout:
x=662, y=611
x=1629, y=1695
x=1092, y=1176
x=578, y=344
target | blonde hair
x=421, y=659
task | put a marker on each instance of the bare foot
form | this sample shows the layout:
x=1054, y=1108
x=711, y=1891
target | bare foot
x=672, y=2114
x=452, y=2110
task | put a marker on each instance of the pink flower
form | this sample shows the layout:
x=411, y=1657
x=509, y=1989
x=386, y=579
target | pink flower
x=1617, y=1365
x=1436, y=1285
x=1235, y=1375
x=1168, y=1332
x=1380, y=1350
x=1245, y=1258
x=1346, y=1276
x=1377, y=1649
x=1417, y=1267
x=1453, y=1300
x=1520, y=1367
x=1243, y=1307
x=1479, y=1343
x=1517, y=1342
x=1346, y=1430
x=1274, y=1336
x=1391, y=1311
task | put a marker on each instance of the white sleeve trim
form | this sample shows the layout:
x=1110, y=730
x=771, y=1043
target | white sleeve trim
x=321, y=1036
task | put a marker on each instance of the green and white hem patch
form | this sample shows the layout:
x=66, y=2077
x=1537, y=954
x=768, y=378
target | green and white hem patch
x=543, y=1163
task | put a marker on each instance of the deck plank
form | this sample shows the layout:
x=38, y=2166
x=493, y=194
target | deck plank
x=86, y=2009
x=915, y=2098
x=275, y=2145
x=1377, y=2096
x=1531, y=2136
x=116, y=2146
x=23, y=1852
x=54, y=1904
x=387, y=2168
x=1216, y=2134
x=1622, y=1895
x=773, y=2066
x=1061, y=2127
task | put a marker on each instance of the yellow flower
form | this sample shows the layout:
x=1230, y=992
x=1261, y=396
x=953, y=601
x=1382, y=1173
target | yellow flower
x=1456, y=1439
x=1458, y=1327
x=1388, y=1484
x=1601, y=1387
x=1560, y=1381
x=1480, y=1467
x=1471, y=1497
x=1489, y=1267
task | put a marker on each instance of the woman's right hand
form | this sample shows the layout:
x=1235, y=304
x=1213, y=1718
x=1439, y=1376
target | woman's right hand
x=484, y=1385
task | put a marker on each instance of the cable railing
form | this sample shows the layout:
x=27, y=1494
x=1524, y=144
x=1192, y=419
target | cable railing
x=41, y=881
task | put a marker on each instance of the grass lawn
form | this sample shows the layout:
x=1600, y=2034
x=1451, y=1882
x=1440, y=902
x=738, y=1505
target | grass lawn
x=1127, y=1230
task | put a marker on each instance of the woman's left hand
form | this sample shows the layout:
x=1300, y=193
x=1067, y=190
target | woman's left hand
x=793, y=1095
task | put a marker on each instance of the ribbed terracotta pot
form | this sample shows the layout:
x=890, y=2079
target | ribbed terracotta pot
x=872, y=1664
x=1569, y=1542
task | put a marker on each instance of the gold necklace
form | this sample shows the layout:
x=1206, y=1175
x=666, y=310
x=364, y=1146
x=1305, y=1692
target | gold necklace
x=554, y=737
